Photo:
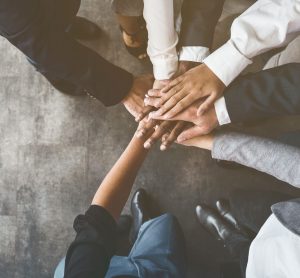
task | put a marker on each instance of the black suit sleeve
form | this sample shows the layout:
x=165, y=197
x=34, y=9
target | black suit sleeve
x=269, y=93
x=90, y=253
x=199, y=19
x=37, y=34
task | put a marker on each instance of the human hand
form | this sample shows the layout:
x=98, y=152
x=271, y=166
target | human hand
x=197, y=83
x=203, y=142
x=134, y=101
x=158, y=85
x=204, y=124
x=167, y=130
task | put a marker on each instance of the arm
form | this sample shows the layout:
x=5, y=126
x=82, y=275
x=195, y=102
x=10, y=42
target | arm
x=267, y=24
x=40, y=38
x=269, y=156
x=94, y=245
x=116, y=186
x=162, y=37
x=265, y=94
x=199, y=19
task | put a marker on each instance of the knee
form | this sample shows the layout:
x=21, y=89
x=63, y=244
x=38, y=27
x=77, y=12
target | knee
x=170, y=219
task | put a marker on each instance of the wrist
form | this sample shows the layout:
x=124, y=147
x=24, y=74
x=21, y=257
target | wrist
x=187, y=65
x=205, y=142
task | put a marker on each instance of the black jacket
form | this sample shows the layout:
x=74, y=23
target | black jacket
x=37, y=28
x=199, y=20
x=89, y=254
x=265, y=94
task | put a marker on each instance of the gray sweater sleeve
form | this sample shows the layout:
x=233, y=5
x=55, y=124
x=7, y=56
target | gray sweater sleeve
x=265, y=155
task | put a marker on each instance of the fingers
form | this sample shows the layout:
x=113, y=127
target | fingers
x=169, y=138
x=191, y=133
x=168, y=101
x=160, y=130
x=155, y=93
x=207, y=104
x=173, y=83
x=180, y=106
x=152, y=101
x=145, y=111
x=144, y=127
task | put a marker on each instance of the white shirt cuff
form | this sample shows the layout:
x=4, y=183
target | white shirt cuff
x=227, y=62
x=193, y=53
x=221, y=111
x=164, y=69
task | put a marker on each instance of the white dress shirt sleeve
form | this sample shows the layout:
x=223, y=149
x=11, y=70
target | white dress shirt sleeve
x=193, y=53
x=267, y=24
x=162, y=37
x=274, y=252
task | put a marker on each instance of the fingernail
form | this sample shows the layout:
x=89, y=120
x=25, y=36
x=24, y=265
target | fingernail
x=147, y=145
x=163, y=147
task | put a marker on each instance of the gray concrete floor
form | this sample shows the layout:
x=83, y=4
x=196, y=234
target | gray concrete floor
x=55, y=149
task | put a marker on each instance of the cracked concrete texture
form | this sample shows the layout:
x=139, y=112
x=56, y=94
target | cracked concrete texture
x=55, y=149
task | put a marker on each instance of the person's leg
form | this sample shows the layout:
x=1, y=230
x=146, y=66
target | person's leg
x=159, y=250
x=129, y=15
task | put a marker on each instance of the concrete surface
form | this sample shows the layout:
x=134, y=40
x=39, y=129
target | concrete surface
x=55, y=149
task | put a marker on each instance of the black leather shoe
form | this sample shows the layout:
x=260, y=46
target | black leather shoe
x=84, y=29
x=223, y=207
x=214, y=223
x=139, y=211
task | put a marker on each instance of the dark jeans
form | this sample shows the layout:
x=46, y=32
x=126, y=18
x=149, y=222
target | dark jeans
x=159, y=251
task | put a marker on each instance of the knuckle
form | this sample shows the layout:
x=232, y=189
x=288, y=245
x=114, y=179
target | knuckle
x=181, y=104
x=174, y=99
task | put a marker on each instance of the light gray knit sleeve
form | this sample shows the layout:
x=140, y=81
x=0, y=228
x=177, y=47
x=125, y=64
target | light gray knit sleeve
x=265, y=155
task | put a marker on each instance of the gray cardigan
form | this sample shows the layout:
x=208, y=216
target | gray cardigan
x=269, y=156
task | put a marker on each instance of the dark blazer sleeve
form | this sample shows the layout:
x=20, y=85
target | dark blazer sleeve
x=269, y=93
x=199, y=19
x=36, y=33
x=90, y=253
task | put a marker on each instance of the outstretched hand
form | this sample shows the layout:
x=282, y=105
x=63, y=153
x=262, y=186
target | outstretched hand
x=202, y=125
x=134, y=101
x=197, y=83
x=168, y=131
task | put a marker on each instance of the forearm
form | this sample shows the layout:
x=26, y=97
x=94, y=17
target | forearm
x=269, y=93
x=54, y=51
x=199, y=19
x=265, y=155
x=266, y=25
x=116, y=186
x=162, y=37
